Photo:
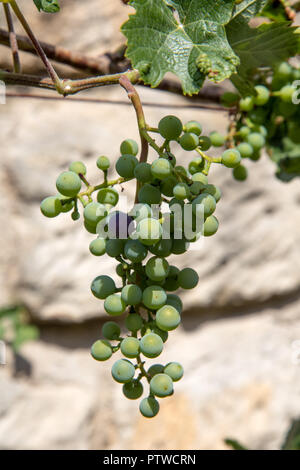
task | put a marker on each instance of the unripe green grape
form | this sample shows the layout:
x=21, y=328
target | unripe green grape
x=196, y=188
x=114, y=247
x=214, y=191
x=240, y=173
x=194, y=127
x=204, y=143
x=155, y=369
x=232, y=157
x=114, y=305
x=111, y=330
x=263, y=95
x=258, y=115
x=143, y=173
x=94, y=212
x=217, y=140
x=211, y=225
x=151, y=345
x=121, y=269
x=170, y=127
x=154, y=297
x=200, y=177
x=175, y=301
x=256, y=140
x=133, y=389
x=149, y=231
x=247, y=104
x=170, y=157
x=283, y=71
x=75, y=215
x=97, y=247
x=157, y=268
x=162, y=334
x=244, y=131
x=161, y=385
x=286, y=93
x=68, y=184
x=174, y=370
x=134, y=322
x=90, y=227
x=256, y=155
x=123, y=371
x=167, y=318
x=167, y=185
x=125, y=166
x=171, y=283
x=78, y=167
x=188, y=278
x=149, y=407
x=208, y=202
x=286, y=109
x=180, y=246
x=131, y=294
x=135, y=251
x=175, y=201
x=108, y=196
x=103, y=163
x=149, y=194
x=101, y=350
x=162, y=248
x=189, y=141
x=65, y=207
x=51, y=206
x=130, y=347
x=161, y=168
x=103, y=286
x=181, y=191
x=129, y=146
x=245, y=149
x=196, y=165
x=181, y=171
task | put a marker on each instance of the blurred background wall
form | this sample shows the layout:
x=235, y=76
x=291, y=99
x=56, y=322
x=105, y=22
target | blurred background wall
x=240, y=326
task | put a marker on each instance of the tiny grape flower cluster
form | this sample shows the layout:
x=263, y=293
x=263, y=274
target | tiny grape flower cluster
x=141, y=241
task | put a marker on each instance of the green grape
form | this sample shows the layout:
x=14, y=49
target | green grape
x=200, y=177
x=97, y=247
x=103, y=286
x=211, y=225
x=90, y=227
x=125, y=166
x=130, y=347
x=256, y=140
x=256, y=156
x=140, y=212
x=114, y=247
x=149, y=194
x=65, y=207
x=157, y=268
x=204, y=143
x=167, y=318
x=194, y=127
x=154, y=297
x=51, y=206
x=149, y=407
x=68, y=184
x=175, y=301
x=180, y=246
x=161, y=385
x=78, y=167
x=163, y=334
x=108, y=196
x=196, y=188
x=170, y=157
x=232, y=157
x=174, y=370
x=133, y=390
x=161, y=168
x=155, y=369
x=244, y=131
x=170, y=127
x=175, y=201
x=123, y=371
x=167, y=186
x=75, y=215
x=101, y=350
x=283, y=71
x=151, y=345
x=217, y=140
x=111, y=330
x=129, y=146
x=258, y=115
x=263, y=95
x=286, y=93
x=163, y=248
x=121, y=269
x=247, y=104
x=135, y=251
x=214, y=191
x=149, y=231
x=208, y=202
x=142, y=172
x=181, y=171
x=114, y=305
x=245, y=149
x=103, y=163
x=189, y=141
x=134, y=322
x=131, y=294
x=171, y=283
x=94, y=212
x=181, y=191
x=240, y=173
x=286, y=109
x=196, y=165
x=188, y=278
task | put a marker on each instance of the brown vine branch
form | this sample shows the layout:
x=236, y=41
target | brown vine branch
x=12, y=39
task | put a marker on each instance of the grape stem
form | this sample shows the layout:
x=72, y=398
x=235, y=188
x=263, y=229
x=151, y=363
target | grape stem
x=12, y=39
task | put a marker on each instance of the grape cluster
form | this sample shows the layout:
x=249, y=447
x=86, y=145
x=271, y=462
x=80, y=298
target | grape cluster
x=141, y=241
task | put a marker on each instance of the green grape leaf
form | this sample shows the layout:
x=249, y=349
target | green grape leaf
x=292, y=439
x=244, y=11
x=48, y=6
x=287, y=159
x=25, y=333
x=190, y=42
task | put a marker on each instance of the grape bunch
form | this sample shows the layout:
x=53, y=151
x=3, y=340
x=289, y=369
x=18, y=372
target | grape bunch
x=141, y=241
